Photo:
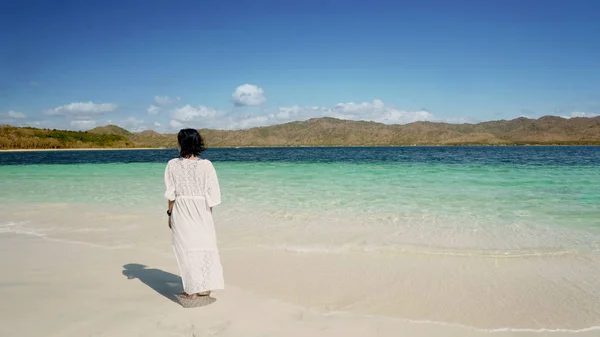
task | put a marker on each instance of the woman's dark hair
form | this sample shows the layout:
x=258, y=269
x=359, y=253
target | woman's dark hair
x=190, y=142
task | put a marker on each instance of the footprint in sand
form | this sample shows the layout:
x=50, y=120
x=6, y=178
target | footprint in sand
x=218, y=327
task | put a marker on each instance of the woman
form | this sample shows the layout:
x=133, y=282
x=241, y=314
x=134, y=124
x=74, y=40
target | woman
x=192, y=189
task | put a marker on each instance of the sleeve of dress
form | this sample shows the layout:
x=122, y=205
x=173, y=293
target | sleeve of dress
x=213, y=191
x=169, y=184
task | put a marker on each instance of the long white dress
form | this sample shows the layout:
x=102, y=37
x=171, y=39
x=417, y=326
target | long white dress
x=194, y=186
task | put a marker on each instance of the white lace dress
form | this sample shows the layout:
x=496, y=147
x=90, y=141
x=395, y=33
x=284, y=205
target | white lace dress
x=194, y=186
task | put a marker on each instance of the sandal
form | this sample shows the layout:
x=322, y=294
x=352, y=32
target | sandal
x=188, y=296
x=194, y=296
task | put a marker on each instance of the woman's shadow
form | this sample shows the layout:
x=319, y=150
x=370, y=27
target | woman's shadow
x=164, y=283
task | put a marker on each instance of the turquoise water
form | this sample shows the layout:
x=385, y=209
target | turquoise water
x=512, y=198
x=564, y=195
x=399, y=188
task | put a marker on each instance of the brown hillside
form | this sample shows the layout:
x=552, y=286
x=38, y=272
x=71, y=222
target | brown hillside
x=548, y=130
x=110, y=130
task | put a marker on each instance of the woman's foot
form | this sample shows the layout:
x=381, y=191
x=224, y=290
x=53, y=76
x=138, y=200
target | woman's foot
x=194, y=296
x=188, y=296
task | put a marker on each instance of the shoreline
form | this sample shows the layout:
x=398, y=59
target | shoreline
x=86, y=149
x=298, y=146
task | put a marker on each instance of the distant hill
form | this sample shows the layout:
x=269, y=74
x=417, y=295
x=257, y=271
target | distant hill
x=151, y=138
x=335, y=132
x=32, y=138
x=110, y=130
x=548, y=130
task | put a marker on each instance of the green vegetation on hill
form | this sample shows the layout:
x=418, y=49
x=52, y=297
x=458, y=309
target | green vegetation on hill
x=547, y=130
x=110, y=130
x=32, y=138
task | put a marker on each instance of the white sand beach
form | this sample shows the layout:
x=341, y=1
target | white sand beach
x=52, y=288
x=78, y=274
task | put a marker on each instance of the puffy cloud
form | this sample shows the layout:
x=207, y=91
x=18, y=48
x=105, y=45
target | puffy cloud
x=83, y=124
x=11, y=117
x=166, y=100
x=189, y=113
x=198, y=117
x=153, y=110
x=161, y=101
x=81, y=115
x=82, y=109
x=41, y=124
x=15, y=114
x=376, y=111
x=461, y=120
x=176, y=124
x=132, y=124
x=248, y=95
x=250, y=122
x=582, y=114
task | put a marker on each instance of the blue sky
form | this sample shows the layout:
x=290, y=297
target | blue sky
x=237, y=64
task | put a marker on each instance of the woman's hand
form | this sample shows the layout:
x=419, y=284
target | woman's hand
x=170, y=210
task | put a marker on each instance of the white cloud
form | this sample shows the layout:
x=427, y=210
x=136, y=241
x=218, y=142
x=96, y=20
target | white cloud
x=166, y=100
x=161, y=101
x=459, y=120
x=198, y=117
x=582, y=114
x=82, y=109
x=189, y=113
x=251, y=121
x=41, y=124
x=248, y=95
x=21, y=123
x=15, y=114
x=153, y=110
x=376, y=111
x=176, y=124
x=132, y=124
x=83, y=124
x=82, y=115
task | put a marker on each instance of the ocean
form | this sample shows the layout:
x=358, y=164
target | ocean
x=486, y=237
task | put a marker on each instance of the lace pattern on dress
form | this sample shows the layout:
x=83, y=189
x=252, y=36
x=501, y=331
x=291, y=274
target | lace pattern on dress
x=199, y=275
x=185, y=177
